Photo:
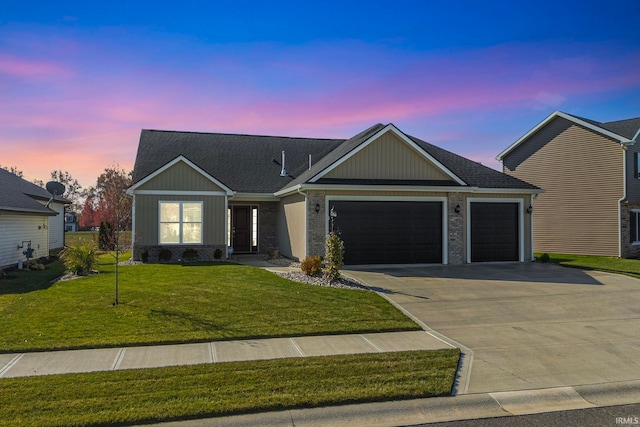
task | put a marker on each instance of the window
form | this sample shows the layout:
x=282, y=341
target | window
x=634, y=226
x=180, y=222
x=254, y=228
x=636, y=165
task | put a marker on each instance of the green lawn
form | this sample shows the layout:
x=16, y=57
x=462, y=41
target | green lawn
x=154, y=395
x=630, y=267
x=161, y=303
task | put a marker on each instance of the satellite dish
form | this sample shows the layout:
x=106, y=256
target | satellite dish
x=55, y=188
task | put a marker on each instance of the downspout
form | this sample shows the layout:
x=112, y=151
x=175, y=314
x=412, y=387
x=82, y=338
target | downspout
x=533, y=211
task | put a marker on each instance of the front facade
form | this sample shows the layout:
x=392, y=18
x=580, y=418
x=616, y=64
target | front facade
x=589, y=171
x=397, y=199
x=30, y=218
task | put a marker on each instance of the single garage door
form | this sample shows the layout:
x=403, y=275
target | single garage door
x=495, y=231
x=381, y=232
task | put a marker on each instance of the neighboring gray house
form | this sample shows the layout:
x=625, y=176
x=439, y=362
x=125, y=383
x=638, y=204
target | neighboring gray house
x=591, y=176
x=24, y=218
x=398, y=199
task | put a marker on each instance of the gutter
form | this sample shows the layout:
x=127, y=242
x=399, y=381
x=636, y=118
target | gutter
x=404, y=188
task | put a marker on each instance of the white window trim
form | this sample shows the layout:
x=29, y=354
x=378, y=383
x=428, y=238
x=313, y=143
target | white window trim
x=181, y=222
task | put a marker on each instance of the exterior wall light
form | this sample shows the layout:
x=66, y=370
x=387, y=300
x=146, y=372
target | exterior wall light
x=530, y=209
x=457, y=209
x=317, y=207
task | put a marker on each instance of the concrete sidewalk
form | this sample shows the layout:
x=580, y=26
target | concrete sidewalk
x=109, y=359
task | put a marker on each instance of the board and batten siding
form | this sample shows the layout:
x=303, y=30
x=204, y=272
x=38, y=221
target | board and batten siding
x=180, y=177
x=581, y=173
x=388, y=157
x=291, y=226
x=147, y=224
x=14, y=229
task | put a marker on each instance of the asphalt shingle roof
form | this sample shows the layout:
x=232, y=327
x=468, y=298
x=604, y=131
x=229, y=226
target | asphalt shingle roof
x=19, y=195
x=245, y=163
x=626, y=128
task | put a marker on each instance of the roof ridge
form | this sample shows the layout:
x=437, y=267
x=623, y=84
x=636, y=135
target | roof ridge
x=243, y=134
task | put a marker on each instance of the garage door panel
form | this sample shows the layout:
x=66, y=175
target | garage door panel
x=495, y=231
x=376, y=232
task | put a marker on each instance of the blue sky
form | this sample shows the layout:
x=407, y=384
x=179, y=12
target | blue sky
x=78, y=80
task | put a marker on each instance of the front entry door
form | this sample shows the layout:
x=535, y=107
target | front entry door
x=241, y=223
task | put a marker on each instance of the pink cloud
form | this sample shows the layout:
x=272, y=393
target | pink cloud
x=32, y=69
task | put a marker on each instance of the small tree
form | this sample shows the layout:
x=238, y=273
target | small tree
x=334, y=256
x=106, y=237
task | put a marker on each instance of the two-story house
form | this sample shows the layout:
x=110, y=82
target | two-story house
x=590, y=172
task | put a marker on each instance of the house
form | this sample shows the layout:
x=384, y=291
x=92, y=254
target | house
x=70, y=222
x=397, y=198
x=29, y=217
x=591, y=176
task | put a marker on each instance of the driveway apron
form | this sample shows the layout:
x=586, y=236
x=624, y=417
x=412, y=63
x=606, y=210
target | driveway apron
x=528, y=325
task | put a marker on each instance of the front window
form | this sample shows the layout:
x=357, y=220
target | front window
x=635, y=226
x=180, y=222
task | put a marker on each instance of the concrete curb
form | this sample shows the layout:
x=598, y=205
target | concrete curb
x=439, y=409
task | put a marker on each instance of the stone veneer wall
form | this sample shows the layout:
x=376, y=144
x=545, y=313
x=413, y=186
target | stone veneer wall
x=267, y=220
x=205, y=252
x=457, y=248
x=316, y=232
x=629, y=250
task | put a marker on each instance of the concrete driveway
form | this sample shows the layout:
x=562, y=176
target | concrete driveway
x=525, y=326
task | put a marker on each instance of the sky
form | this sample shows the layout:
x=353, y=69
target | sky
x=80, y=79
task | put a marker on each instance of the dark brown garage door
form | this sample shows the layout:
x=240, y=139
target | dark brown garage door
x=390, y=232
x=495, y=232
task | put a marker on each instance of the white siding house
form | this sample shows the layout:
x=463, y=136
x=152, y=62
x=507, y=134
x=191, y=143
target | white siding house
x=29, y=217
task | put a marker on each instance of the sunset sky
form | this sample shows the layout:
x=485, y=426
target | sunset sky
x=80, y=79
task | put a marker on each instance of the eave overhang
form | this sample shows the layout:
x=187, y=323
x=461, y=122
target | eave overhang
x=404, y=188
x=622, y=140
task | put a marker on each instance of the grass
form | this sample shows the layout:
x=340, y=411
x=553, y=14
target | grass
x=162, y=303
x=154, y=395
x=629, y=267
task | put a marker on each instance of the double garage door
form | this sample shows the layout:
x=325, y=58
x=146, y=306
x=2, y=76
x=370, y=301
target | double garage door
x=382, y=232
x=408, y=232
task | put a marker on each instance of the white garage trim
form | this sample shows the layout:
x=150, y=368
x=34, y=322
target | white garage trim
x=445, y=218
x=520, y=203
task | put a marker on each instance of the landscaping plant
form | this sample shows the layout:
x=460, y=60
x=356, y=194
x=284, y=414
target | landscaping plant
x=311, y=265
x=81, y=259
x=334, y=256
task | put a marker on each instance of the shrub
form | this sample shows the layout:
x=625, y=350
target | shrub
x=165, y=255
x=217, y=254
x=311, y=265
x=334, y=256
x=80, y=259
x=144, y=256
x=544, y=258
x=190, y=254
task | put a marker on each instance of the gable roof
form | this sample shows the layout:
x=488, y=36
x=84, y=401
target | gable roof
x=243, y=163
x=624, y=131
x=21, y=196
x=251, y=163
